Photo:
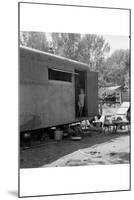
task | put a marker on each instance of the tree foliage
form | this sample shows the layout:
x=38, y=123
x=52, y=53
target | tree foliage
x=117, y=67
x=36, y=40
x=66, y=44
x=89, y=49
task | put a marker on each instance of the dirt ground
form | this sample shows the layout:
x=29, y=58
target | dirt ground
x=95, y=148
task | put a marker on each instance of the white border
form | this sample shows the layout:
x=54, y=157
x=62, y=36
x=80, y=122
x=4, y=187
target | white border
x=65, y=180
x=9, y=102
x=71, y=19
x=74, y=20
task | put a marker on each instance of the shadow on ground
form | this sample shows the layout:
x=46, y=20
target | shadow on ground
x=120, y=158
x=13, y=193
x=49, y=152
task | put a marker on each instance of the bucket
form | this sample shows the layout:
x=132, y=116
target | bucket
x=58, y=135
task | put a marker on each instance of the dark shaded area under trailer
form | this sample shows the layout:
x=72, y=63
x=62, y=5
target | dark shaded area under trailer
x=49, y=89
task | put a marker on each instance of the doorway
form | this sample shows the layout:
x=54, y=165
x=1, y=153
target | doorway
x=80, y=84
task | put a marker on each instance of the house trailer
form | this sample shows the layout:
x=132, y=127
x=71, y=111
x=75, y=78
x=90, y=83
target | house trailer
x=49, y=90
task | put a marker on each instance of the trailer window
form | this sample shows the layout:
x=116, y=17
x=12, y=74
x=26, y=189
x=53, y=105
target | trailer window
x=59, y=75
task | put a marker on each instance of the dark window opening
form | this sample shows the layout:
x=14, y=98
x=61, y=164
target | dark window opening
x=59, y=75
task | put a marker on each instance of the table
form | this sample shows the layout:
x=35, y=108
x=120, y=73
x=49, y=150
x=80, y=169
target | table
x=115, y=125
x=110, y=127
x=119, y=124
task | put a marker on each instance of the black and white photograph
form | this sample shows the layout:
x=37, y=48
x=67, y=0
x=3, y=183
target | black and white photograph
x=74, y=97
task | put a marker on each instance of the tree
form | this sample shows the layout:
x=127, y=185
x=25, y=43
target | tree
x=89, y=49
x=66, y=44
x=92, y=50
x=36, y=40
x=117, y=68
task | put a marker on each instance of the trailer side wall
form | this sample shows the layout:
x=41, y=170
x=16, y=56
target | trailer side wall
x=43, y=102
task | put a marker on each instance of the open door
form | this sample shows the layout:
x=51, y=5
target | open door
x=80, y=83
x=92, y=93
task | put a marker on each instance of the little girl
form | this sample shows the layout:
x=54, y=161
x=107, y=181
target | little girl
x=81, y=102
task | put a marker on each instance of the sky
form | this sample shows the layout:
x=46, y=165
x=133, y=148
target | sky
x=117, y=42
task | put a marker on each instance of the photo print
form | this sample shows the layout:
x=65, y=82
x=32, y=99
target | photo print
x=74, y=99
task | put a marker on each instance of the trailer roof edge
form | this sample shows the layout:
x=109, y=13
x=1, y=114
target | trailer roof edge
x=53, y=56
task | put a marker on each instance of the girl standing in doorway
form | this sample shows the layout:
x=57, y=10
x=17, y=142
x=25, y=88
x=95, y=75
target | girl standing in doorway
x=81, y=102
